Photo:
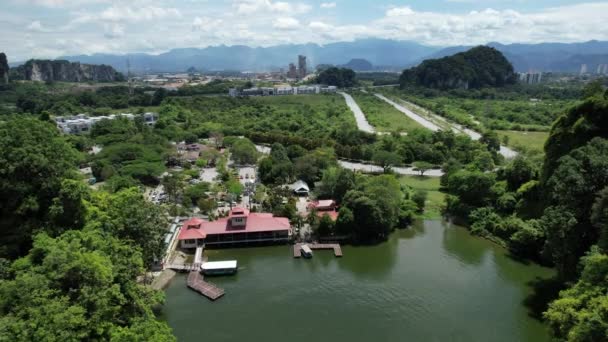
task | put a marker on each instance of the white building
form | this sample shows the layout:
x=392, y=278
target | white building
x=82, y=123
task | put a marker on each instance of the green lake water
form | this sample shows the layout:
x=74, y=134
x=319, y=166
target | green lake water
x=433, y=282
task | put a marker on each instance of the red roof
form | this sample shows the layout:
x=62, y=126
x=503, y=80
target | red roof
x=191, y=230
x=239, y=212
x=332, y=214
x=256, y=222
x=322, y=204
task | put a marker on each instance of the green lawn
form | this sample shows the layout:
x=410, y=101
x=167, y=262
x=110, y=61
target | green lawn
x=383, y=116
x=435, y=198
x=526, y=140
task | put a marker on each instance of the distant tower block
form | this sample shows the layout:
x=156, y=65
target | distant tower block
x=302, y=66
x=583, y=69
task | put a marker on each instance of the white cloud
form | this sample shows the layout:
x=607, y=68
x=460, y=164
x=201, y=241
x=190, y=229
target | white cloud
x=399, y=11
x=318, y=25
x=328, y=5
x=248, y=7
x=286, y=23
x=114, y=31
x=206, y=24
x=123, y=26
x=35, y=26
x=58, y=3
x=126, y=13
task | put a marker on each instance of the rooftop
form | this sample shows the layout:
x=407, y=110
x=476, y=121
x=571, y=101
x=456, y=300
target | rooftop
x=256, y=222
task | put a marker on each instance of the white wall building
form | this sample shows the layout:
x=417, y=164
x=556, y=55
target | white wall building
x=81, y=123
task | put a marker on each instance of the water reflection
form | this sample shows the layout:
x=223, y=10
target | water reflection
x=468, y=251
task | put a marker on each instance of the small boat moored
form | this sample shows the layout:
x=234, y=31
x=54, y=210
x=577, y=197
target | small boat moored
x=306, y=251
x=219, y=267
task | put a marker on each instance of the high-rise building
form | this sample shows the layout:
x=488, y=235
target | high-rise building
x=302, y=66
x=531, y=77
x=293, y=72
x=583, y=69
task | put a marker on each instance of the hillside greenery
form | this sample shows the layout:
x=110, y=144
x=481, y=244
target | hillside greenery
x=71, y=259
x=339, y=77
x=476, y=68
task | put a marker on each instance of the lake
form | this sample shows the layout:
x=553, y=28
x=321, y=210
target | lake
x=432, y=282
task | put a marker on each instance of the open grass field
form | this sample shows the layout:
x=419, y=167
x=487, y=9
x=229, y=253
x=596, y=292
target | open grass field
x=435, y=198
x=525, y=140
x=383, y=116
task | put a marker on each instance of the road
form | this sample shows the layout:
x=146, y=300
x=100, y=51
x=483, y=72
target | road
x=406, y=171
x=505, y=151
x=362, y=122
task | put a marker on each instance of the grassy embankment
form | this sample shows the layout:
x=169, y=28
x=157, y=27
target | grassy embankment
x=435, y=198
x=525, y=140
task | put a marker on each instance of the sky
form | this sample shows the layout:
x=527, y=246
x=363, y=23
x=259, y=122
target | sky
x=53, y=28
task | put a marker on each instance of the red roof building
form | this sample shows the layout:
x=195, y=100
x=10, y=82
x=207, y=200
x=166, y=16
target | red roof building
x=324, y=207
x=240, y=226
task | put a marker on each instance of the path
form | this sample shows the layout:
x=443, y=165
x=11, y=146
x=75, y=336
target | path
x=362, y=122
x=406, y=171
x=505, y=151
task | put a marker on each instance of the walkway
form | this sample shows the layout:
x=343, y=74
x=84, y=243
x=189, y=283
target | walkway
x=362, y=122
x=297, y=248
x=505, y=151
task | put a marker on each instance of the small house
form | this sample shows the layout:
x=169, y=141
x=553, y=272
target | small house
x=300, y=188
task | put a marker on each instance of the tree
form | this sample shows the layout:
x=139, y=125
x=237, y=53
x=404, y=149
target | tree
x=386, y=159
x=127, y=215
x=599, y=218
x=34, y=160
x=419, y=197
x=325, y=227
x=520, y=171
x=580, y=312
x=244, y=152
x=173, y=184
x=206, y=205
x=335, y=183
x=491, y=139
x=422, y=167
x=79, y=286
x=339, y=77
x=593, y=88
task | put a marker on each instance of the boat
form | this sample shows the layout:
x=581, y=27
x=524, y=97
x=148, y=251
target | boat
x=219, y=267
x=306, y=251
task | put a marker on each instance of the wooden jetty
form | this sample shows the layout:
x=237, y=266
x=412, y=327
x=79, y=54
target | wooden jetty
x=196, y=281
x=297, y=248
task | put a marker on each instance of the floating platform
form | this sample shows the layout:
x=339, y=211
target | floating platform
x=297, y=248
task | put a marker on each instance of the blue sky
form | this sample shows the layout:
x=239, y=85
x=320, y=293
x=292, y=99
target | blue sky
x=51, y=28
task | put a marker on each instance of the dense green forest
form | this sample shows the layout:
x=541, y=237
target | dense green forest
x=339, y=77
x=71, y=258
x=552, y=209
x=476, y=68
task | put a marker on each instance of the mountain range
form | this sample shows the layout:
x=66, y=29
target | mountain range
x=383, y=54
